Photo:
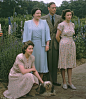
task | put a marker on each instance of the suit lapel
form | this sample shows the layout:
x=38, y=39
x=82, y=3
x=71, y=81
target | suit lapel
x=56, y=19
x=48, y=20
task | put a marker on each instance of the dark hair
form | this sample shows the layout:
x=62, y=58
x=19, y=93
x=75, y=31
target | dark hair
x=50, y=4
x=26, y=44
x=34, y=10
x=65, y=11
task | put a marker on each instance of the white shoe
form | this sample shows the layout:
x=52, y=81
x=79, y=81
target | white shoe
x=64, y=86
x=71, y=86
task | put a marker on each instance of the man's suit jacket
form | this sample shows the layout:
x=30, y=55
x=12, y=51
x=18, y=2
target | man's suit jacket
x=53, y=29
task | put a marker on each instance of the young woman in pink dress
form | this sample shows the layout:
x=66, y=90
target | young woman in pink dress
x=67, y=48
x=23, y=75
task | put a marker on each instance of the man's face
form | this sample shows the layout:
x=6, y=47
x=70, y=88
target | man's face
x=52, y=9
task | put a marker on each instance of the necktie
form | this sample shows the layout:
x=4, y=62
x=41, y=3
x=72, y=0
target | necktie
x=52, y=21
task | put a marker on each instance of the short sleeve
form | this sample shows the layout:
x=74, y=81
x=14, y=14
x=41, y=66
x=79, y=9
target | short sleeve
x=19, y=60
x=60, y=27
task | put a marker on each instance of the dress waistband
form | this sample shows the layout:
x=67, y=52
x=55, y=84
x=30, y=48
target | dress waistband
x=67, y=37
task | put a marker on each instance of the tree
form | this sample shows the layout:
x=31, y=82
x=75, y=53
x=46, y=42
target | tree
x=25, y=6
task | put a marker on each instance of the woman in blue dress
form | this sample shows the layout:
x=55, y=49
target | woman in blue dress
x=38, y=32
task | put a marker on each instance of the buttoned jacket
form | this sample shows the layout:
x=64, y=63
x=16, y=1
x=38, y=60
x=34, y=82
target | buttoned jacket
x=53, y=29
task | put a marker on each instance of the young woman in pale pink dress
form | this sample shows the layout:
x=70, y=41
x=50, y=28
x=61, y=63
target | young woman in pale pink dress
x=23, y=75
x=67, y=48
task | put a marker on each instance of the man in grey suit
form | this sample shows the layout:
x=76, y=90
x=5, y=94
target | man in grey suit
x=53, y=20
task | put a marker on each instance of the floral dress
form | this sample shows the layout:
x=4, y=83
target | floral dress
x=20, y=84
x=67, y=48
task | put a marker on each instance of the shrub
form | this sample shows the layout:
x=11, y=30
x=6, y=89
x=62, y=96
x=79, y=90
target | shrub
x=80, y=46
x=10, y=48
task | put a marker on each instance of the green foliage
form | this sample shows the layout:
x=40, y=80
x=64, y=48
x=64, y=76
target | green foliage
x=4, y=26
x=80, y=47
x=11, y=47
x=80, y=37
x=9, y=7
x=18, y=19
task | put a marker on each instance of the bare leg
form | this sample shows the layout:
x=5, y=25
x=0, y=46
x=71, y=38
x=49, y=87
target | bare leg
x=63, y=75
x=69, y=72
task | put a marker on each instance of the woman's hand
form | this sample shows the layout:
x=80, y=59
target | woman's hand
x=47, y=48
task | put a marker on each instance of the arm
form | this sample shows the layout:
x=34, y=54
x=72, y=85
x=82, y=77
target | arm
x=27, y=32
x=35, y=72
x=47, y=36
x=24, y=71
x=33, y=69
x=37, y=75
x=47, y=46
x=58, y=35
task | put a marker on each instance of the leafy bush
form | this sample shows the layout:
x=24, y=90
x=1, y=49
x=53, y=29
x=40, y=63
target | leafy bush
x=80, y=37
x=10, y=48
x=80, y=46
x=16, y=26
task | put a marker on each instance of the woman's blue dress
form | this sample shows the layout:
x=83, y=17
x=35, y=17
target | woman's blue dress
x=39, y=50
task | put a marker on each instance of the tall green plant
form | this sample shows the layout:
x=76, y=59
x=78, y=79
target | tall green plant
x=10, y=48
x=80, y=46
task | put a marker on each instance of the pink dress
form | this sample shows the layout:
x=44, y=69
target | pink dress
x=67, y=48
x=20, y=84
